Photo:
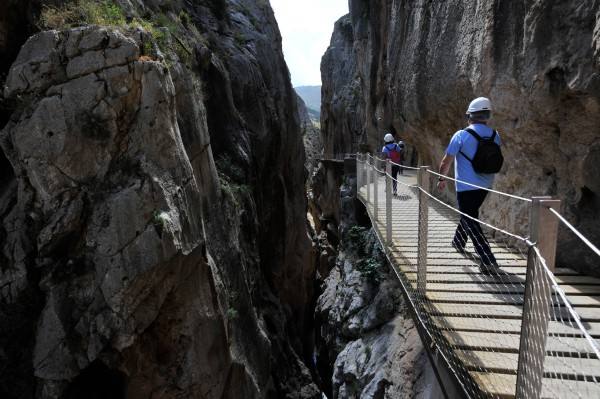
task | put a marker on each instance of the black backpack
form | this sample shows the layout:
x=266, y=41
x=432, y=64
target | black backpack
x=488, y=156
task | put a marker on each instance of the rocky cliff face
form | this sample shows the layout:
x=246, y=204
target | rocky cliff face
x=152, y=211
x=415, y=66
x=342, y=112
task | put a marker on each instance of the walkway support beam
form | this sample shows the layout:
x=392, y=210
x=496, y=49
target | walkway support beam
x=375, y=190
x=369, y=170
x=423, y=183
x=359, y=167
x=363, y=178
x=388, y=203
x=543, y=231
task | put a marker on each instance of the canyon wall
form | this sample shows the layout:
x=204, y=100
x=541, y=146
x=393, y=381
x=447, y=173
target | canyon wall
x=152, y=209
x=311, y=137
x=411, y=67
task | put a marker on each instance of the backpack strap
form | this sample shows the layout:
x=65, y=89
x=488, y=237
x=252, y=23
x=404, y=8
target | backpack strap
x=474, y=134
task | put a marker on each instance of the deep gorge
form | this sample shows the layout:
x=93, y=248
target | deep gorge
x=156, y=236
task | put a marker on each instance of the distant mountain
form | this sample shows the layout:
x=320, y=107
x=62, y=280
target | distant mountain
x=311, y=96
x=314, y=115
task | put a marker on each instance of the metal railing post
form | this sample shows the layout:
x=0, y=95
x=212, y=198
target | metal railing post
x=543, y=231
x=423, y=182
x=358, y=172
x=363, y=172
x=368, y=181
x=547, y=231
x=388, y=203
x=375, y=190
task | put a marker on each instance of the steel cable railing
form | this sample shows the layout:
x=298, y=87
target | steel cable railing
x=502, y=328
x=576, y=232
x=479, y=187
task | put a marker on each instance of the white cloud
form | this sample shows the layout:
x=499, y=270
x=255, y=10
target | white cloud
x=306, y=28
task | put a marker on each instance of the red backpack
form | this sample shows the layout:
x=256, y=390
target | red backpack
x=394, y=153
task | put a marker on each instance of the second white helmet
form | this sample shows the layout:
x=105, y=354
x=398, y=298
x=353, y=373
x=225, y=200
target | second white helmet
x=388, y=138
x=479, y=104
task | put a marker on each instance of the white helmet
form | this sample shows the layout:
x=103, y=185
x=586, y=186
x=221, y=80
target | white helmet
x=479, y=104
x=388, y=138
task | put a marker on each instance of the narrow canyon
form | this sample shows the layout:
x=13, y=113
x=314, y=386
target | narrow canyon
x=174, y=225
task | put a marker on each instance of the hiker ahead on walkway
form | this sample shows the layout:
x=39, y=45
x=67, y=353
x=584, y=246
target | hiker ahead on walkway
x=393, y=151
x=478, y=157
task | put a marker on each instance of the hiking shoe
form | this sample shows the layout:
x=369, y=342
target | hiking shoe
x=460, y=250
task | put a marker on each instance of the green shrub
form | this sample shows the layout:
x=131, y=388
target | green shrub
x=227, y=166
x=185, y=19
x=356, y=236
x=240, y=39
x=232, y=314
x=82, y=12
x=369, y=268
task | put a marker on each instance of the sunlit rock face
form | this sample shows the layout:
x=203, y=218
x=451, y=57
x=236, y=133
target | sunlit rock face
x=418, y=64
x=153, y=214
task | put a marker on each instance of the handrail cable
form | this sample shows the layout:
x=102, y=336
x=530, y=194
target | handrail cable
x=403, y=166
x=577, y=233
x=482, y=188
x=557, y=214
x=400, y=182
x=566, y=302
x=397, y=164
x=380, y=171
x=518, y=237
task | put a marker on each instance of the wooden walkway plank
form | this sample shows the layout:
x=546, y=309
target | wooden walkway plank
x=505, y=288
x=501, y=278
x=497, y=342
x=463, y=261
x=507, y=311
x=474, y=269
x=516, y=299
x=509, y=326
x=506, y=363
x=503, y=386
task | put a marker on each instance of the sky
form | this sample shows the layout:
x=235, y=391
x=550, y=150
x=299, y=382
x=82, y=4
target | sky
x=306, y=27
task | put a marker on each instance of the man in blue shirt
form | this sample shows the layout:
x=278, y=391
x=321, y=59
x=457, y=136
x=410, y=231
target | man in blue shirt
x=463, y=146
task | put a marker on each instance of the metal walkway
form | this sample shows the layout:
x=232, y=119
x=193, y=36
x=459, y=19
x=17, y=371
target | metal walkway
x=470, y=321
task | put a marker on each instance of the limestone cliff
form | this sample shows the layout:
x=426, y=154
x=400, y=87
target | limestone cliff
x=413, y=66
x=342, y=113
x=152, y=209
